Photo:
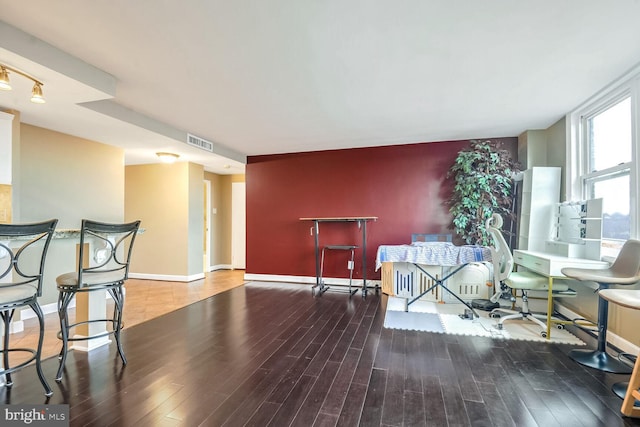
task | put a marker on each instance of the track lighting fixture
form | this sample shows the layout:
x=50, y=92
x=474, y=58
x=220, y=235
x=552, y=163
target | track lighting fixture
x=36, y=92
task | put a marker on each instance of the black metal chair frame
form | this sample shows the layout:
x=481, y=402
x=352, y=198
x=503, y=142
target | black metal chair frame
x=30, y=234
x=116, y=262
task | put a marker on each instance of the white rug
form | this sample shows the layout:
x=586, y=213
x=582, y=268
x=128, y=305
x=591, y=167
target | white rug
x=445, y=318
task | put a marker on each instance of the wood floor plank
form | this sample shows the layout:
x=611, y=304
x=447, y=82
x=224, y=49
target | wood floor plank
x=338, y=392
x=350, y=414
x=271, y=354
x=376, y=390
x=308, y=413
x=393, y=407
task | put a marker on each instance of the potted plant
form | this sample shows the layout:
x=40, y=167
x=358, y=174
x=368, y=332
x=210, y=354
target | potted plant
x=483, y=184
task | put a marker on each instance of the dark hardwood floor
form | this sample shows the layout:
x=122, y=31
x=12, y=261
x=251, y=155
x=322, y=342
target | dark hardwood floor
x=274, y=355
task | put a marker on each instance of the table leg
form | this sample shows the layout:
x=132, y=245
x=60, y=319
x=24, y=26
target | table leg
x=364, y=258
x=549, y=307
x=316, y=231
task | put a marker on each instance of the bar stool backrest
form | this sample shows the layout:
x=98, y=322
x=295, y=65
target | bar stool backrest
x=23, y=250
x=627, y=264
x=105, y=252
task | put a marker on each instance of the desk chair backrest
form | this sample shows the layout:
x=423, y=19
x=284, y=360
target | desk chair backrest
x=501, y=256
x=627, y=264
x=23, y=249
x=105, y=252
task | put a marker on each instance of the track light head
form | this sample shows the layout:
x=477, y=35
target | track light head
x=36, y=94
x=4, y=79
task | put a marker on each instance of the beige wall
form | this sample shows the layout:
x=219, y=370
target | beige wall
x=195, y=218
x=220, y=256
x=557, y=151
x=220, y=249
x=169, y=200
x=69, y=178
x=157, y=194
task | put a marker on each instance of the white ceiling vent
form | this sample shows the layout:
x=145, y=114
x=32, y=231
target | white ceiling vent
x=198, y=142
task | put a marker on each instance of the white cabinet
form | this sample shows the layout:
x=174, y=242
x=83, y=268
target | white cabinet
x=540, y=196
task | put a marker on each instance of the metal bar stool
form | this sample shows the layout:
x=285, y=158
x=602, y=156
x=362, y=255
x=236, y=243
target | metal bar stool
x=624, y=271
x=103, y=267
x=23, y=249
x=350, y=264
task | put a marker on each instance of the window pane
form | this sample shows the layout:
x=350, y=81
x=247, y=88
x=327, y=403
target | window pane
x=610, y=136
x=615, y=194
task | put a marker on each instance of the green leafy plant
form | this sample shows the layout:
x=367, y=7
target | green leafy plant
x=483, y=185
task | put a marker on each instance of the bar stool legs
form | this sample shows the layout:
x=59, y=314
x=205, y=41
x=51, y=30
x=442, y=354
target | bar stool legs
x=350, y=264
x=599, y=358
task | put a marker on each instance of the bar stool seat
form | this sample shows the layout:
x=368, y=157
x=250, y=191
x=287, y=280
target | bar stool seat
x=624, y=271
x=626, y=390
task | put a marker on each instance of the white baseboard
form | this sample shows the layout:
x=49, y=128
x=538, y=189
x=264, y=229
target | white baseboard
x=27, y=313
x=338, y=281
x=612, y=338
x=167, y=277
x=89, y=345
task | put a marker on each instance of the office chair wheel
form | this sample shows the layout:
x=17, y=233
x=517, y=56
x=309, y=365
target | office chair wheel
x=560, y=326
x=494, y=316
x=543, y=334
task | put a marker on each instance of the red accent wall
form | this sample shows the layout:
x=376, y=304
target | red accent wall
x=405, y=186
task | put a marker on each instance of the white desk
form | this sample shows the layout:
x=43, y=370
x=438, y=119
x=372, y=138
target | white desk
x=550, y=266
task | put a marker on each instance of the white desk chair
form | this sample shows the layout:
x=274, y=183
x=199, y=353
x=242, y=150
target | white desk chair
x=524, y=281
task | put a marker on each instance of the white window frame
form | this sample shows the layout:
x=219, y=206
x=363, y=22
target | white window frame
x=577, y=150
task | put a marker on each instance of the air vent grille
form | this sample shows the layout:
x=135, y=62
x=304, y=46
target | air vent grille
x=198, y=142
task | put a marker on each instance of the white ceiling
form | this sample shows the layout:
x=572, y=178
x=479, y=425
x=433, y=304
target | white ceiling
x=280, y=76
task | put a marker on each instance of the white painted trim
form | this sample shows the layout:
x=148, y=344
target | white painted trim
x=89, y=345
x=15, y=327
x=167, y=277
x=612, y=338
x=27, y=313
x=308, y=280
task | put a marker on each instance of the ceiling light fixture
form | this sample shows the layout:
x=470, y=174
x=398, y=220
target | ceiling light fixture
x=36, y=92
x=167, y=157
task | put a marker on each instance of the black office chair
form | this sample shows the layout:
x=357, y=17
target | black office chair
x=103, y=265
x=23, y=249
